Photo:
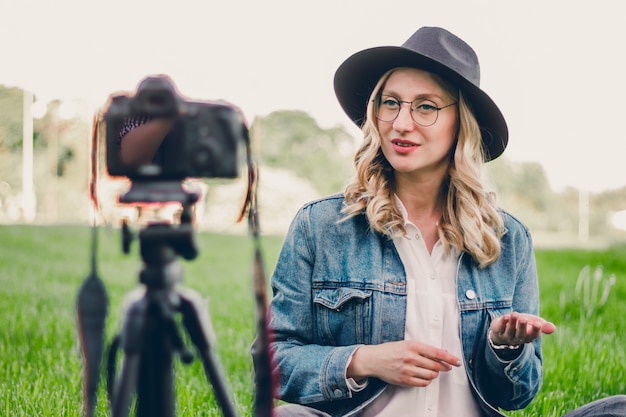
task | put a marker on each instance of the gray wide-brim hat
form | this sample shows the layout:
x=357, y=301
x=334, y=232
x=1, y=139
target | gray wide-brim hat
x=434, y=50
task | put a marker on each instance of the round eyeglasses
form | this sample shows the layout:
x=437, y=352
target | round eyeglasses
x=424, y=112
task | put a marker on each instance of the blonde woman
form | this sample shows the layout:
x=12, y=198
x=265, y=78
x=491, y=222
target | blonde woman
x=411, y=293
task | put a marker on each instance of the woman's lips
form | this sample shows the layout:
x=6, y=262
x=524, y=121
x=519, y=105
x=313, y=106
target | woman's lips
x=404, y=146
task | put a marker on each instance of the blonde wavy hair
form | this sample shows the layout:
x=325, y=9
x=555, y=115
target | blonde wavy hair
x=470, y=221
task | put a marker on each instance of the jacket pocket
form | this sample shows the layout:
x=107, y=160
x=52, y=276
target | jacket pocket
x=342, y=315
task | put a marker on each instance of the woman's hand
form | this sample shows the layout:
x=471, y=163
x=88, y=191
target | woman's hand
x=406, y=363
x=519, y=328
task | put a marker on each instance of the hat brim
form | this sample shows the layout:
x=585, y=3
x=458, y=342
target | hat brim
x=357, y=76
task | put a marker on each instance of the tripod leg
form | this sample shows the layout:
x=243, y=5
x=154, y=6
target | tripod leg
x=147, y=370
x=155, y=388
x=198, y=326
x=132, y=346
x=126, y=386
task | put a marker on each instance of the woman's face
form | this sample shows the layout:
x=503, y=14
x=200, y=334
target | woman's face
x=419, y=152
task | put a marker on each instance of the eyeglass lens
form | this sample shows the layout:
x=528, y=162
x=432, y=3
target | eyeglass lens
x=424, y=112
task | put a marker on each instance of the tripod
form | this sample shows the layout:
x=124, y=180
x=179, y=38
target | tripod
x=150, y=336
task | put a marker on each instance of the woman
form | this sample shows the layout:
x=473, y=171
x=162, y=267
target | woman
x=411, y=293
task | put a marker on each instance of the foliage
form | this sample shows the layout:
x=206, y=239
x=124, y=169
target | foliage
x=293, y=140
x=523, y=189
x=60, y=158
x=11, y=110
x=40, y=373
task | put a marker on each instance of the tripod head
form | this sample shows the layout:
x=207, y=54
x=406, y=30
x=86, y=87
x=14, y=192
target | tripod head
x=162, y=242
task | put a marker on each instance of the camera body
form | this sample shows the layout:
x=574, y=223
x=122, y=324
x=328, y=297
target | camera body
x=207, y=140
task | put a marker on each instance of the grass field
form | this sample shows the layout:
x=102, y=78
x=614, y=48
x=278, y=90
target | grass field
x=41, y=269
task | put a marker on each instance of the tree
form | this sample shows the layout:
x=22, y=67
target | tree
x=11, y=110
x=61, y=150
x=294, y=141
x=524, y=189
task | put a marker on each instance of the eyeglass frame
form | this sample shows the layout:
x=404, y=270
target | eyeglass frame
x=378, y=101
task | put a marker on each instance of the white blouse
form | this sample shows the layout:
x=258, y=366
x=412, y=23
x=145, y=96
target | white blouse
x=432, y=318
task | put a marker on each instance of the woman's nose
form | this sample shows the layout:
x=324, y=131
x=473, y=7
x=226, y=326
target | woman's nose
x=404, y=122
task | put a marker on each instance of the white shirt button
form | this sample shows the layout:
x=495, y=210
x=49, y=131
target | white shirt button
x=470, y=294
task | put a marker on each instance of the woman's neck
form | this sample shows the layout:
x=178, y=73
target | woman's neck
x=420, y=198
x=424, y=203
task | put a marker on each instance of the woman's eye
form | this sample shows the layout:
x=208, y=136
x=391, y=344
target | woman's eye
x=425, y=107
x=390, y=103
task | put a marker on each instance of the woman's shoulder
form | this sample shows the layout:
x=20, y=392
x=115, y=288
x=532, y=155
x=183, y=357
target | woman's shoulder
x=329, y=201
x=513, y=226
x=324, y=209
x=326, y=213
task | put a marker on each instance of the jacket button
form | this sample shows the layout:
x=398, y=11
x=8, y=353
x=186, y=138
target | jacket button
x=337, y=393
x=470, y=294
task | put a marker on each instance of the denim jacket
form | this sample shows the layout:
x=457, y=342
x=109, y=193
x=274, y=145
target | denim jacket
x=337, y=286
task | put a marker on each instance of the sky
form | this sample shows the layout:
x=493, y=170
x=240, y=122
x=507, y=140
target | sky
x=555, y=68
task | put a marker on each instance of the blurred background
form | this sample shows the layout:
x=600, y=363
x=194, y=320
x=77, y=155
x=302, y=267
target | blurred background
x=555, y=69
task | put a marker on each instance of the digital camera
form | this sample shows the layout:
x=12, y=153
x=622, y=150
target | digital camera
x=207, y=139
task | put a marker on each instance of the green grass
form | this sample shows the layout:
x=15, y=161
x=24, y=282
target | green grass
x=586, y=358
x=41, y=269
